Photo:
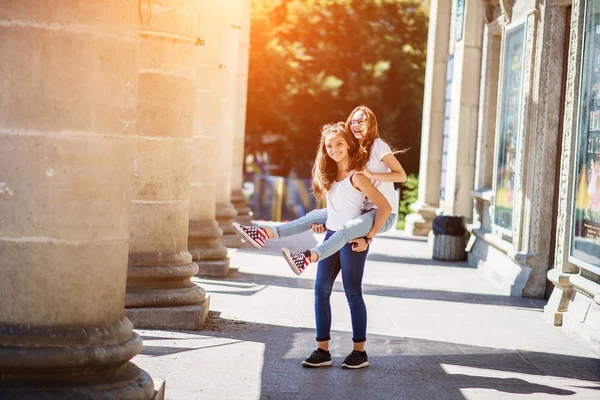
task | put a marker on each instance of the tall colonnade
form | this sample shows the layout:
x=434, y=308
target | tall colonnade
x=118, y=123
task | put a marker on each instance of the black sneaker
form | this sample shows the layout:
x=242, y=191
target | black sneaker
x=356, y=359
x=297, y=261
x=257, y=237
x=318, y=358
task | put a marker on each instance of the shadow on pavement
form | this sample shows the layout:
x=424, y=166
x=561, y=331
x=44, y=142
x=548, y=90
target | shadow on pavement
x=401, y=368
x=260, y=281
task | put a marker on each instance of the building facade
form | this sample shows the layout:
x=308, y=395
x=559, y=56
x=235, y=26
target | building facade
x=511, y=141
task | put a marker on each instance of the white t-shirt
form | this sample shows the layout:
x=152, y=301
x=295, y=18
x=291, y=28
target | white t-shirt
x=379, y=150
x=344, y=203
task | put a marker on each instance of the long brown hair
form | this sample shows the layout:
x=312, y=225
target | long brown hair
x=371, y=131
x=325, y=169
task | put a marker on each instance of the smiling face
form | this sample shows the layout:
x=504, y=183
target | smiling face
x=336, y=147
x=359, y=124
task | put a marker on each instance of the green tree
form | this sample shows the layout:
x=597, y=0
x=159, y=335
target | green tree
x=313, y=61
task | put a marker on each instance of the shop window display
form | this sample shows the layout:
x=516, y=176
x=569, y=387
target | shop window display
x=585, y=233
x=508, y=129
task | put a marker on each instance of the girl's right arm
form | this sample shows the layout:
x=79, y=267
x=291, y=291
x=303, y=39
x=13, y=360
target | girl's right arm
x=396, y=175
x=384, y=209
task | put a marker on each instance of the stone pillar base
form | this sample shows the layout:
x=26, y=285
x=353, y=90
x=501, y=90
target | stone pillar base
x=419, y=222
x=225, y=215
x=163, y=297
x=159, y=389
x=85, y=362
x=188, y=318
x=216, y=269
x=244, y=213
x=207, y=251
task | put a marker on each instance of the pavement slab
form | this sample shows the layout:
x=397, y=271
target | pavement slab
x=437, y=330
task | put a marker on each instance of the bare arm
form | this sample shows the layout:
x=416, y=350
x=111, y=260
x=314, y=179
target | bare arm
x=396, y=175
x=384, y=209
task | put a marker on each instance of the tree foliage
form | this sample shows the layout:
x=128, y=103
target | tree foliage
x=313, y=61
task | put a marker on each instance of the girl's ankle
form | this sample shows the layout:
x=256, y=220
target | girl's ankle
x=269, y=232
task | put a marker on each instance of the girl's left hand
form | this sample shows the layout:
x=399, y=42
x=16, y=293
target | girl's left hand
x=367, y=173
x=359, y=244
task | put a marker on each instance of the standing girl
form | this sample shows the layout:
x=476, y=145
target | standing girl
x=335, y=177
x=381, y=166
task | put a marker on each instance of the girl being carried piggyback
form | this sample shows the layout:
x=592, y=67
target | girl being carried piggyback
x=380, y=166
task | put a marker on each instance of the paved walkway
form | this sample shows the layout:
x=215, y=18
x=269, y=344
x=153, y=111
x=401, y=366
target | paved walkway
x=436, y=330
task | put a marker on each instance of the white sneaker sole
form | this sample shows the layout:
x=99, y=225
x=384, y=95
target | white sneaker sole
x=363, y=365
x=311, y=365
x=288, y=257
x=238, y=229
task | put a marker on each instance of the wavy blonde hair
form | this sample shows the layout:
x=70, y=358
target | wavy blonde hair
x=325, y=169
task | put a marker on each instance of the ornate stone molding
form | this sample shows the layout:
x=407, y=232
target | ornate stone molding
x=490, y=8
x=507, y=6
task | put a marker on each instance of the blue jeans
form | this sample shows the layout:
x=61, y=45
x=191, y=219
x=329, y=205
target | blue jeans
x=355, y=228
x=352, y=265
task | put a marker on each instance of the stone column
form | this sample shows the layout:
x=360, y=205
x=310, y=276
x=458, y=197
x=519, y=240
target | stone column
x=464, y=109
x=244, y=214
x=204, y=233
x=228, y=49
x=159, y=291
x=67, y=108
x=419, y=222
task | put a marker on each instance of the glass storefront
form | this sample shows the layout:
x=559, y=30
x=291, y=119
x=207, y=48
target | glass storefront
x=585, y=231
x=508, y=129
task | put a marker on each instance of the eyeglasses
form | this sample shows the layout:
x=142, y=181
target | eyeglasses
x=357, y=121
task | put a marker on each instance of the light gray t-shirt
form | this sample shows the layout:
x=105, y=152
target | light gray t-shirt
x=379, y=150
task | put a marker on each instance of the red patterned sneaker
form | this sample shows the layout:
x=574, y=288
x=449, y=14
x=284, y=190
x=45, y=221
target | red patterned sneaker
x=257, y=237
x=297, y=261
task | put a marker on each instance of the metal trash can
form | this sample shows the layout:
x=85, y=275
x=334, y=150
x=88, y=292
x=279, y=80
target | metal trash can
x=448, y=239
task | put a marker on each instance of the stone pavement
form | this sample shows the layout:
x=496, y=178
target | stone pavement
x=436, y=330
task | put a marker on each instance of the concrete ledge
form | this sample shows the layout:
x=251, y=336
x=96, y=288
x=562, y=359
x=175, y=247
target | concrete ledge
x=583, y=319
x=489, y=255
x=173, y=318
x=216, y=268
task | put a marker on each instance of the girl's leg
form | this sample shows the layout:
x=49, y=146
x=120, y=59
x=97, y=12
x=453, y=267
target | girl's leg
x=327, y=271
x=258, y=235
x=353, y=266
x=318, y=216
x=355, y=228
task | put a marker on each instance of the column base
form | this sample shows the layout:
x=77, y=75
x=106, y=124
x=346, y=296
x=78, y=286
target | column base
x=213, y=269
x=188, y=318
x=225, y=215
x=244, y=213
x=140, y=388
x=85, y=362
x=420, y=221
x=208, y=253
x=232, y=240
x=164, y=297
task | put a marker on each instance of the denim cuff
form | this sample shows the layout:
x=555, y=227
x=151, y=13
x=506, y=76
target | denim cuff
x=364, y=339
x=324, y=339
x=275, y=233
